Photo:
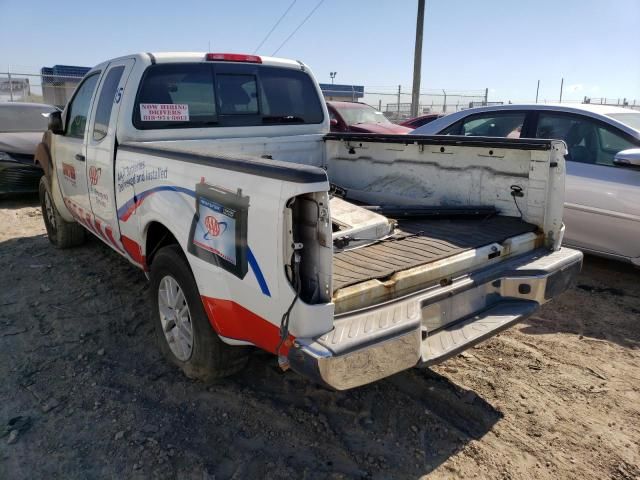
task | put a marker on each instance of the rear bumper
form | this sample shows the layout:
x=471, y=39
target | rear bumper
x=434, y=324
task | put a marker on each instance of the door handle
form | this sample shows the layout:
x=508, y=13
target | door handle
x=80, y=157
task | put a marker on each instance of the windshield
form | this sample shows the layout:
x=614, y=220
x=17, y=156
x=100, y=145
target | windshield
x=361, y=114
x=632, y=119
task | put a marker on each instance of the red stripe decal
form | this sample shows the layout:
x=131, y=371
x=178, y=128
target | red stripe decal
x=232, y=320
x=134, y=250
x=95, y=226
x=132, y=208
x=109, y=233
x=88, y=222
x=98, y=225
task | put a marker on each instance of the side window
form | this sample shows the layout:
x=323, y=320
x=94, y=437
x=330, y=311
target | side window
x=237, y=94
x=507, y=124
x=554, y=126
x=611, y=142
x=587, y=141
x=105, y=102
x=452, y=129
x=79, y=108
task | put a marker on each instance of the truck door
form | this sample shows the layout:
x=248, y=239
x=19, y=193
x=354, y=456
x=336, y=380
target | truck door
x=101, y=144
x=70, y=147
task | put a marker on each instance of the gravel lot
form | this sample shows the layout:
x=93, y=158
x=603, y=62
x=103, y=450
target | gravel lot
x=85, y=393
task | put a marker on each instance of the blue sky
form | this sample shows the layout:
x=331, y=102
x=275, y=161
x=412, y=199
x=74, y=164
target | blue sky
x=503, y=45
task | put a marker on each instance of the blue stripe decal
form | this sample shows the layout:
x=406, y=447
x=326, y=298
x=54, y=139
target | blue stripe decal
x=253, y=263
x=125, y=211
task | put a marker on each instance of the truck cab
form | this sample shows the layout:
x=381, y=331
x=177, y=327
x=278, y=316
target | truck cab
x=349, y=256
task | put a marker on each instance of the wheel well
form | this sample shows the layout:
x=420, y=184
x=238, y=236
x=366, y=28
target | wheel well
x=42, y=156
x=158, y=236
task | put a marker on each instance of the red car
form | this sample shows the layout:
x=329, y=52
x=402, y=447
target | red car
x=421, y=120
x=361, y=118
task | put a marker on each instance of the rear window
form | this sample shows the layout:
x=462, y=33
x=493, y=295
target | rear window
x=191, y=95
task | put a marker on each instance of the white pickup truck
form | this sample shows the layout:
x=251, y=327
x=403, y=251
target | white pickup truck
x=350, y=256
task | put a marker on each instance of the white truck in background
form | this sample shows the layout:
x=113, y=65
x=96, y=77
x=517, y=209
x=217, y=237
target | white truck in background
x=350, y=256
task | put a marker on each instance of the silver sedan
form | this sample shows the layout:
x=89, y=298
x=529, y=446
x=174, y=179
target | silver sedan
x=602, y=202
x=21, y=128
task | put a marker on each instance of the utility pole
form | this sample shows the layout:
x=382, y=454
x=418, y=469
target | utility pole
x=537, y=91
x=398, y=112
x=417, y=61
x=561, y=85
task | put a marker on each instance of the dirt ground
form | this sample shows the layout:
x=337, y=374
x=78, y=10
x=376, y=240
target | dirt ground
x=85, y=393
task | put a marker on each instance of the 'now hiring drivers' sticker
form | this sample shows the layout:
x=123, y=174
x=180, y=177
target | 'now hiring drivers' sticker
x=164, y=112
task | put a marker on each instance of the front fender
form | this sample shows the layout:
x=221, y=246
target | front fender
x=44, y=158
x=43, y=155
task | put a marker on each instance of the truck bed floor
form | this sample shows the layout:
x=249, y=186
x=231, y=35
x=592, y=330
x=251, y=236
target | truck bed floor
x=425, y=241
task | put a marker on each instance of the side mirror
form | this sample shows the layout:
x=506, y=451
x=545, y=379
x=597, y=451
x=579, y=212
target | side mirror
x=55, y=123
x=333, y=122
x=628, y=158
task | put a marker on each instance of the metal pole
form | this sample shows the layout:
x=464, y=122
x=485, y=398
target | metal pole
x=444, y=106
x=10, y=84
x=537, y=91
x=561, y=85
x=486, y=98
x=398, y=112
x=379, y=104
x=417, y=60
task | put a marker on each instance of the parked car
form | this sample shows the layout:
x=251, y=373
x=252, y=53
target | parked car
x=602, y=209
x=360, y=118
x=223, y=199
x=421, y=120
x=21, y=128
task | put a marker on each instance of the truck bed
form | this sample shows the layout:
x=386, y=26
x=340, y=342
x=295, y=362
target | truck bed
x=419, y=243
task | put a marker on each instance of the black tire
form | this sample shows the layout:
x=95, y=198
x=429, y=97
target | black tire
x=62, y=234
x=210, y=358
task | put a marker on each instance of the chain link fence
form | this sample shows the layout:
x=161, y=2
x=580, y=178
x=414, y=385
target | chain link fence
x=613, y=102
x=43, y=87
x=51, y=87
x=395, y=101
